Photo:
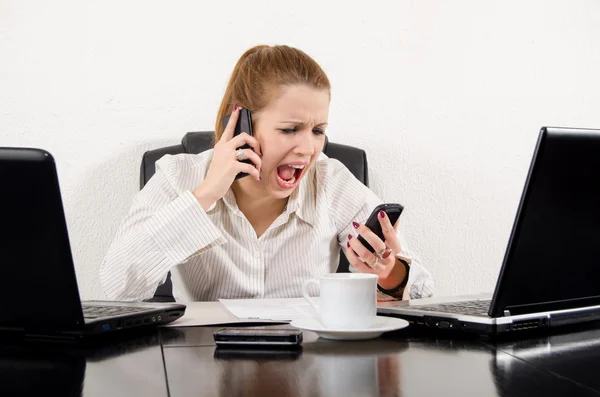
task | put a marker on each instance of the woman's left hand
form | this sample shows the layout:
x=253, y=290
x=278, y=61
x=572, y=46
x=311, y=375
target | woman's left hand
x=391, y=273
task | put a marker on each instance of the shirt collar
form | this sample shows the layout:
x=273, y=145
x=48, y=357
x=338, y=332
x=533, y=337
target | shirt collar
x=302, y=201
x=212, y=207
x=229, y=200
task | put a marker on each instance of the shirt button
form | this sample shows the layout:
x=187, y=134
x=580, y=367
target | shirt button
x=256, y=254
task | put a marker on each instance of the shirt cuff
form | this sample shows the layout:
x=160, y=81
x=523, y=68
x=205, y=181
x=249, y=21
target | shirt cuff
x=420, y=283
x=183, y=229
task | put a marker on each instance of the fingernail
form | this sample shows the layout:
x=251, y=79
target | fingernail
x=349, y=237
x=234, y=107
x=356, y=225
x=381, y=214
x=348, y=244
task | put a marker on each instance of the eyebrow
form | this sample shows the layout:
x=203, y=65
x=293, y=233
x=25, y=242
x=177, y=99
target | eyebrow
x=301, y=122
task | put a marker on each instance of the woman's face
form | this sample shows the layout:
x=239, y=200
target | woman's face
x=291, y=133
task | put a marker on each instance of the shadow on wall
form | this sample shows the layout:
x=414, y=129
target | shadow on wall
x=96, y=206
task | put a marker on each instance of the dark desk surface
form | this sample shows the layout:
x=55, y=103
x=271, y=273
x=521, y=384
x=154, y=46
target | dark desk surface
x=184, y=362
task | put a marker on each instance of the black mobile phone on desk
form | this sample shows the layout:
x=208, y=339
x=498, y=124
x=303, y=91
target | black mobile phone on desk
x=258, y=336
x=393, y=211
x=244, y=124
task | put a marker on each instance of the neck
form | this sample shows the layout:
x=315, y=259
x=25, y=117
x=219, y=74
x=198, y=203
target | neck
x=250, y=196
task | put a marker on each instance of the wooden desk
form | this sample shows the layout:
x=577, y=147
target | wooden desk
x=184, y=362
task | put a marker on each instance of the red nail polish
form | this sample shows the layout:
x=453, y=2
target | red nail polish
x=349, y=237
x=356, y=225
x=381, y=214
x=234, y=108
x=348, y=244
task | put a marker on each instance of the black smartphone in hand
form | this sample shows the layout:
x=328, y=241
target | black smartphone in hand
x=393, y=211
x=244, y=124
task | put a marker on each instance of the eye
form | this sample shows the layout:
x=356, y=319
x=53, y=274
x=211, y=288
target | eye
x=287, y=130
x=318, y=131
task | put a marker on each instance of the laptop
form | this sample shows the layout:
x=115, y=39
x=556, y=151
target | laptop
x=39, y=295
x=550, y=275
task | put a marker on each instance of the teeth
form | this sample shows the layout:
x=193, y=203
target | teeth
x=290, y=182
x=298, y=167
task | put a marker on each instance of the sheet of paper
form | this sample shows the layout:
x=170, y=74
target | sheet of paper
x=208, y=313
x=231, y=311
x=269, y=309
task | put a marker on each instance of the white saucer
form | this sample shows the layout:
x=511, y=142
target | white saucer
x=382, y=324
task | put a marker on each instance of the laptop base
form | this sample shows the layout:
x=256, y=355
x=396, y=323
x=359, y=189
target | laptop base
x=482, y=324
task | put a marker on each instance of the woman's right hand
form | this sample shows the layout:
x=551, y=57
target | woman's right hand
x=225, y=165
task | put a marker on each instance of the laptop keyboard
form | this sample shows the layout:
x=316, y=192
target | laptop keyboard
x=109, y=311
x=472, y=308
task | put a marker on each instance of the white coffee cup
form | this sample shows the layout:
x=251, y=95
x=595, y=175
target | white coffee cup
x=347, y=300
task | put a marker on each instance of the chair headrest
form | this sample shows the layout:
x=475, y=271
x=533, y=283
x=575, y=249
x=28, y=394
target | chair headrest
x=354, y=159
x=199, y=141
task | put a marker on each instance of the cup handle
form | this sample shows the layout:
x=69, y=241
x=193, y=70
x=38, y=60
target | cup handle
x=310, y=300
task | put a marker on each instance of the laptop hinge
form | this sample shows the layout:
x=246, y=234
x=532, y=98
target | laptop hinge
x=506, y=313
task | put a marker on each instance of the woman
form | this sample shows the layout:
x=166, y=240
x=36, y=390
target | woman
x=264, y=234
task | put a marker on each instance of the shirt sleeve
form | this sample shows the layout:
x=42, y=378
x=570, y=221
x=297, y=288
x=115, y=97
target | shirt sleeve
x=166, y=225
x=359, y=203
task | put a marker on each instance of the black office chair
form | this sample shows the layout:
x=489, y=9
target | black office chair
x=195, y=142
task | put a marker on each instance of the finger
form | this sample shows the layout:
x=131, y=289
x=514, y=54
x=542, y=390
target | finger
x=250, y=155
x=371, y=238
x=248, y=169
x=382, y=269
x=243, y=139
x=356, y=262
x=362, y=251
x=389, y=232
x=230, y=127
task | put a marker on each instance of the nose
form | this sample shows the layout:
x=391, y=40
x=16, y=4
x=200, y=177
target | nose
x=305, y=145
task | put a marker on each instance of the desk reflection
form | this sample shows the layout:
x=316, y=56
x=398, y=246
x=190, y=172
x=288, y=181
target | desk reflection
x=129, y=365
x=381, y=367
x=27, y=373
x=398, y=365
x=395, y=365
x=574, y=355
x=331, y=370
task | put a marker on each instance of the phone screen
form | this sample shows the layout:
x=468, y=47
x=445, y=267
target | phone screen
x=393, y=212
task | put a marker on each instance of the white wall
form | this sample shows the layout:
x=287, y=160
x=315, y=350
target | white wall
x=446, y=97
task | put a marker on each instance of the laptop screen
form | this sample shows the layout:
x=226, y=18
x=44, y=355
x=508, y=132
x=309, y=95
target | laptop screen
x=553, y=256
x=38, y=289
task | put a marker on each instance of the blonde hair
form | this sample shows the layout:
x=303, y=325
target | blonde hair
x=259, y=73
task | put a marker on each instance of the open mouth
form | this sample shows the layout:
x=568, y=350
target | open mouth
x=288, y=175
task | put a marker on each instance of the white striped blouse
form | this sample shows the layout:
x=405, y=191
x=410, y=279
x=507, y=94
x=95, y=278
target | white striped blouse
x=215, y=254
